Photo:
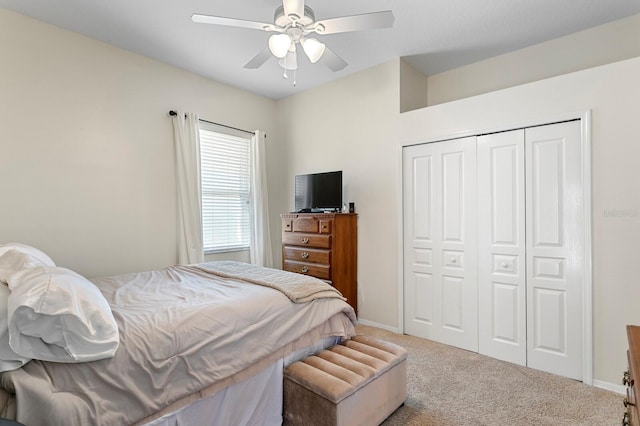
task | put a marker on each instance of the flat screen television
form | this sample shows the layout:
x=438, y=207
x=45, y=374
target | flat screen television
x=318, y=192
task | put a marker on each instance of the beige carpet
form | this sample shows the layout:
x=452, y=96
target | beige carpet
x=449, y=386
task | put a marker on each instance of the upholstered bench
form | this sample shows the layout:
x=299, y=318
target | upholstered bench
x=359, y=382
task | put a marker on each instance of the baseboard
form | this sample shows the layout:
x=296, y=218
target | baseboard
x=610, y=387
x=377, y=325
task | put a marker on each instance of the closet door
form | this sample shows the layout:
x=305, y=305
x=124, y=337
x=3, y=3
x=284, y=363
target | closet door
x=520, y=267
x=502, y=313
x=555, y=248
x=440, y=275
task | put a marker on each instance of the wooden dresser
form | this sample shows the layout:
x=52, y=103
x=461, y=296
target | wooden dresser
x=631, y=377
x=323, y=245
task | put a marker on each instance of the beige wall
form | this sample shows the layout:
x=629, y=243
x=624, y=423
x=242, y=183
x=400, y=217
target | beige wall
x=612, y=94
x=611, y=42
x=413, y=87
x=86, y=146
x=348, y=125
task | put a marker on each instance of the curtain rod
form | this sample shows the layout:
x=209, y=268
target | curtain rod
x=217, y=124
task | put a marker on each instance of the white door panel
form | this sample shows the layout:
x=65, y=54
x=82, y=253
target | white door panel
x=453, y=192
x=501, y=247
x=439, y=242
x=419, y=287
x=555, y=248
x=506, y=314
x=422, y=200
x=423, y=302
x=452, y=303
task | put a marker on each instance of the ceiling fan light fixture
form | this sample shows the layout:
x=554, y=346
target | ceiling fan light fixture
x=279, y=45
x=293, y=21
x=313, y=48
x=290, y=61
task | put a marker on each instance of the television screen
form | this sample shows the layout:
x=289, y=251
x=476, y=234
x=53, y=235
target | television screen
x=318, y=192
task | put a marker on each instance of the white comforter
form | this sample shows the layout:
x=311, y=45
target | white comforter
x=184, y=333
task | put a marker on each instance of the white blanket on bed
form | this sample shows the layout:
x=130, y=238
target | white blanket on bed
x=298, y=288
x=183, y=331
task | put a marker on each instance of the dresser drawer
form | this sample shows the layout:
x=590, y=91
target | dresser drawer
x=631, y=379
x=631, y=401
x=325, y=226
x=306, y=224
x=315, y=270
x=307, y=240
x=309, y=225
x=287, y=225
x=307, y=255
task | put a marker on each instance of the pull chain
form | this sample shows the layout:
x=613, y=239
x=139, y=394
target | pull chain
x=284, y=74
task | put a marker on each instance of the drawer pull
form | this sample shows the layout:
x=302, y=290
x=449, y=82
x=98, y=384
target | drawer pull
x=627, y=403
x=304, y=255
x=305, y=240
x=305, y=269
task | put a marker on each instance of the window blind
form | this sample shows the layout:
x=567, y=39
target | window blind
x=225, y=171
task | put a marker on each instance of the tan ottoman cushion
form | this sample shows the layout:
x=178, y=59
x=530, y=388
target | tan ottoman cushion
x=359, y=382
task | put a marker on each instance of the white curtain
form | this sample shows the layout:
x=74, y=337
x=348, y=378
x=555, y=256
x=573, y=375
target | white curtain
x=187, y=148
x=260, y=236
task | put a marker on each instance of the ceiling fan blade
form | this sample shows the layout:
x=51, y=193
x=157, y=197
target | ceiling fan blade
x=367, y=21
x=333, y=61
x=293, y=8
x=259, y=59
x=232, y=22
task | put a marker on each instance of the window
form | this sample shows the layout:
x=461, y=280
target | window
x=224, y=159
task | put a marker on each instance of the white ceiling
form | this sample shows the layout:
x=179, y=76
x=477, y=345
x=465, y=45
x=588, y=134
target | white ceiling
x=433, y=35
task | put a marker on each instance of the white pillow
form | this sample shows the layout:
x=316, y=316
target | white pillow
x=57, y=315
x=13, y=261
x=38, y=254
x=9, y=360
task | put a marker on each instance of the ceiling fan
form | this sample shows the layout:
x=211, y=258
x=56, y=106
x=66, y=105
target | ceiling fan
x=294, y=22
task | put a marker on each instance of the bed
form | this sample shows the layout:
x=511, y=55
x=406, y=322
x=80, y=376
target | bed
x=195, y=345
